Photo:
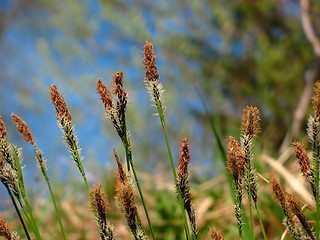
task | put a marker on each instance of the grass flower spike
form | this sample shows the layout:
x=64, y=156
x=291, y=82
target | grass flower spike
x=281, y=196
x=240, y=164
x=236, y=164
x=184, y=185
x=65, y=124
x=296, y=209
x=215, y=235
x=12, y=178
x=156, y=92
x=99, y=206
x=116, y=111
x=5, y=231
x=126, y=201
x=26, y=133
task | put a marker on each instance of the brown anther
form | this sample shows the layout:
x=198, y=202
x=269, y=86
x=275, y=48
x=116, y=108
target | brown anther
x=24, y=129
x=150, y=63
x=59, y=103
x=4, y=229
x=215, y=235
x=122, y=176
x=104, y=94
x=184, y=157
x=250, y=121
x=99, y=201
x=236, y=161
x=303, y=159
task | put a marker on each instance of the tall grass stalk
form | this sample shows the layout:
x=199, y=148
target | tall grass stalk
x=18, y=213
x=156, y=91
x=116, y=111
x=22, y=190
x=23, y=128
x=44, y=172
x=181, y=203
x=130, y=161
x=245, y=222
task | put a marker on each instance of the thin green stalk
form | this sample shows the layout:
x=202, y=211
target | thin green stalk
x=249, y=199
x=51, y=193
x=130, y=162
x=260, y=221
x=19, y=214
x=172, y=166
x=81, y=169
x=246, y=228
x=23, y=192
x=316, y=177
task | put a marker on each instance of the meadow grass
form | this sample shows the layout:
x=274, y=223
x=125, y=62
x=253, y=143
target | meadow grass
x=181, y=211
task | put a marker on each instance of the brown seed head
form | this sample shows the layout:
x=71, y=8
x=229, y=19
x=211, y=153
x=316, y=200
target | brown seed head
x=99, y=201
x=316, y=99
x=280, y=195
x=121, y=174
x=59, y=103
x=215, y=235
x=104, y=94
x=150, y=63
x=184, y=157
x=277, y=190
x=250, y=121
x=117, y=84
x=236, y=160
x=23, y=128
x=296, y=209
x=126, y=202
x=3, y=131
x=303, y=159
x=4, y=230
x=125, y=196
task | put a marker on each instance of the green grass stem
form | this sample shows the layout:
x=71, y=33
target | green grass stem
x=19, y=214
x=246, y=227
x=249, y=199
x=261, y=223
x=44, y=172
x=161, y=115
x=23, y=192
x=130, y=163
x=79, y=163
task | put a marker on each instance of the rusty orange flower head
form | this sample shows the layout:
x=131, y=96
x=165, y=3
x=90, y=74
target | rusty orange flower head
x=149, y=62
x=316, y=99
x=215, y=235
x=236, y=160
x=23, y=128
x=117, y=84
x=184, y=157
x=99, y=201
x=250, y=121
x=59, y=103
x=4, y=229
x=303, y=159
x=121, y=174
x=104, y=94
x=3, y=131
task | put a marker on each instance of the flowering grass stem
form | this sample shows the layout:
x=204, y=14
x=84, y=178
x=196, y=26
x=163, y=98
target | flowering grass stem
x=130, y=163
x=19, y=214
x=23, y=192
x=161, y=116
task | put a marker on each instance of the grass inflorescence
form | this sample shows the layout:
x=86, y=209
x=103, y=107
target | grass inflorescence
x=250, y=219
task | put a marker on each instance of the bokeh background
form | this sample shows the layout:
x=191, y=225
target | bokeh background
x=214, y=58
